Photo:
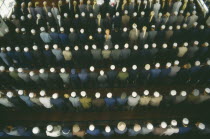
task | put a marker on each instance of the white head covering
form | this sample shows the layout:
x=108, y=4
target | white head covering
x=168, y=64
x=156, y=94
x=146, y=92
x=49, y=128
x=150, y=126
x=173, y=92
x=20, y=70
x=126, y=45
x=31, y=95
x=73, y=94
x=174, y=123
x=62, y=70
x=183, y=93
x=157, y=65
x=20, y=92
x=163, y=125
x=97, y=95
x=9, y=94
x=101, y=72
x=121, y=126
x=52, y=69
x=116, y=46
x=112, y=67
x=42, y=93
x=185, y=121
x=147, y=66
x=207, y=90
x=134, y=94
x=107, y=129
x=92, y=68
x=154, y=45
x=83, y=93
x=124, y=69
x=201, y=126
x=109, y=95
x=35, y=130
x=176, y=62
x=55, y=96
x=136, y=127
x=134, y=67
x=91, y=127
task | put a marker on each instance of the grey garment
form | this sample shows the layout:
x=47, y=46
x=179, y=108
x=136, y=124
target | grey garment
x=96, y=53
x=176, y=6
x=73, y=37
x=191, y=51
x=179, y=99
x=13, y=132
x=153, y=51
x=133, y=101
x=143, y=37
x=203, y=98
x=193, y=19
x=5, y=58
x=145, y=131
x=44, y=76
x=115, y=54
x=134, y=34
x=156, y=8
x=36, y=78
x=58, y=54
x=102, y=79
x=55, y=12
x=45, y=37
x=172, y=19
x=36, y=101
x=125, y=53
x=96, y=9
x=168, y=34
x=174, y=70
x=5, y=102
x=152, y=35
x=24, y=76
x=75, y=101
x=93, y=76
x=65, y=77
x=179, y=20
x=106, y=54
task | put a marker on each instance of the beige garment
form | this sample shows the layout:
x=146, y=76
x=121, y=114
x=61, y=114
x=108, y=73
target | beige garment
x=158, y=131
x=144, y=100
x=67, y=55
x=203, y=98
x=182, y=51
x=155, y=101
x=80, y=134
x=106, y=54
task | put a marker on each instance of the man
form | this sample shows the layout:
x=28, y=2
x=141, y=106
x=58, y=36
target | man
x=45, y=100
x=53, y=131
x=92, y=131
x=45, y=36
x=85, y=101
x=121, y=128
x=58, y=102
x=133, y=100
x=134, y=35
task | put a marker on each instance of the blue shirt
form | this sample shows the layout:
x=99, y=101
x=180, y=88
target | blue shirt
x=109, y=102
x=55, y=37
x=120, y=132
x=83, y=75
x=23, y=131
x=95, y=132
x=59, y=102
x=165, y=72
x=183, y=130
x=104, y=133
x=154, y=73
x=121, y=101
x=27, y=100
x=64, y=38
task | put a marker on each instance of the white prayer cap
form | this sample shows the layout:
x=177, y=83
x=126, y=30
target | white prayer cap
x=184, y=25
x=197, y=63
x=42, y=29
x=41, y=71
x=121, y=126
x=117, y=13
x=124, y=69
x=83, y=14
x=201, y=26
x=55, y=46
x=20, y=92
x=22, y=17
x=92, y=68
x=53, y=29
x=31, y=73
x=154, y=45
x=86, y=47
x=35, y=47
x=62, y=70
x=125, y=29
x=176, y=62
x=33, y=31
x=73, y=94
x=31, y=95
x=196, y=42
x=134, y=94
x=76, y=15
x=178, y=27
x=170, y=28
x=97, y=95
x=91, y=14
x=99, y=29
x=116, y=46
x=62, y=29
x=134, y=14
x=134, y=67
x=126, y=45
x=52, y=69
x=76, y=48
x=65, y=15
x=165, y=45
x=17, y=29
x=150, y=126
x=146, y=46
x=71, y=29
x=106, y=47
x=181, y=11
x=49, y=128
x=17, y=48
x=160, y=14
x=157, y=65
x=35, y=130
x=8, y=49
x=112, y=67
x=55, y=96
x=23, y=29
x=101, y=72
x=67, y=48
x=173, y=92
x=49, y=14
x=2, y=68
x=134, y=26
x=163, y=125
x=173, y=122
x=11, y=69
x=208, y=62
x=83, y=93
x=201, y=126
x=42, y=93
x=147, y=66
x=156, y=94
x=2, y=49
x=91, y=127
x=9, y=94
x=153, y=26
x=20, y=70
x=46, y=46
x=126, y=12
x=59, y=16
x=175, y=13
x=207, y=90
x=109, y=95
x=185, y=44
x=142, y=13
x=183, y=93
x=163, y=27
x=146, y=92
x=206, y=44
x=194, y=12
x=135, y=47
x=196, y=92
x=136, y=127
x=168, y=64
x=13, y=16
x=29, y=15
x=82, y=30
x=107, y=129
x=185, y=121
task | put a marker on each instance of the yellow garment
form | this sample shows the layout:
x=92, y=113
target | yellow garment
x=86, y=102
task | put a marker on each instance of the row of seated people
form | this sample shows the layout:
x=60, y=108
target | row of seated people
x=85, y=57
x=131, y=77
x=72, y=102
x=146, y=35
x=133, y=128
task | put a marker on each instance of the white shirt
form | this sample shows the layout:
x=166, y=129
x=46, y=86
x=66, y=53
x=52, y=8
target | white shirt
x=133, y=101
x=171, y=131
x=45, y=102
x=55, y=133
x=5, y=102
